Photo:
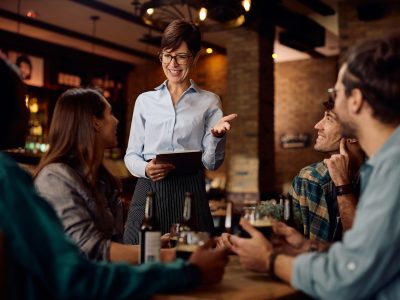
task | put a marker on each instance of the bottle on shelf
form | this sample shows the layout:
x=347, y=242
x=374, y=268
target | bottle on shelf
x=150, y=234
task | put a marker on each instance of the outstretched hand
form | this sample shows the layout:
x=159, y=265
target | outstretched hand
x=223, y=126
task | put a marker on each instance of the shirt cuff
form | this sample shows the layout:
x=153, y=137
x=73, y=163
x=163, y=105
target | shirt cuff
x=215, y=140
x=140, y=169
x=301, y=275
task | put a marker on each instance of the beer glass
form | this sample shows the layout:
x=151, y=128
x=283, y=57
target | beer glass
x=267, y=213
x=261, y=216
x=173, y=235
x=248, y=214
x=189, y=241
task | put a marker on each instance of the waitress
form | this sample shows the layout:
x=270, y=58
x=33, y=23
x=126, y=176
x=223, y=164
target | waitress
x=176, y=116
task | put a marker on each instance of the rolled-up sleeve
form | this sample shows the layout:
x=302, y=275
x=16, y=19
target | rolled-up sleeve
x=214, y=148
x=367, y=260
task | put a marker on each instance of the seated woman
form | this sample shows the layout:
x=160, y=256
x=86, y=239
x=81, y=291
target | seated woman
x=72, y=178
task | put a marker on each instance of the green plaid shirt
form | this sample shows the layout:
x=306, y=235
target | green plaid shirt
x=315, y=208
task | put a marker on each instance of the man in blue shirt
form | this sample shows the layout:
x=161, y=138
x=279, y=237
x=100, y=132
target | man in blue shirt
x=366, y=263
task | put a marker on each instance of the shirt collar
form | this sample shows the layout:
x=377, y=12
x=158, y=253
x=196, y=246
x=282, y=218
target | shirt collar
x=192, y=88
x=393, y=140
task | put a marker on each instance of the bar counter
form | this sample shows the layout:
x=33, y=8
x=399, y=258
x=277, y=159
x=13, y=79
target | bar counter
x=239, y=284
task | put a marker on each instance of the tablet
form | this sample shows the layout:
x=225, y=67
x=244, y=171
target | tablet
x=185, y=162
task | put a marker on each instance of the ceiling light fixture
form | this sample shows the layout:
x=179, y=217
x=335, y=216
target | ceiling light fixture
x=209, y=15
x=32, y=14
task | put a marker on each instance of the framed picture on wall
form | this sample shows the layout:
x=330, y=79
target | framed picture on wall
x=295, y=140
x=31, y=67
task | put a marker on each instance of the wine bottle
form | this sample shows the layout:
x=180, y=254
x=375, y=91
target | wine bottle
x=150, y=234
x=288, y=215
x=187, y=218
x=228, y=217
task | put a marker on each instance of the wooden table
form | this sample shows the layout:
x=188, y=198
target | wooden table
x=239, y=284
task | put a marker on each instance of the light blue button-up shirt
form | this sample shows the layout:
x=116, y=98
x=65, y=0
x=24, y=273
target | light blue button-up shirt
x=366, y=264
x=159, y=126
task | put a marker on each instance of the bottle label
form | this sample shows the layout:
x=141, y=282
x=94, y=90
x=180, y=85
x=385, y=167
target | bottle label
x=286, y=211
x=152, y=246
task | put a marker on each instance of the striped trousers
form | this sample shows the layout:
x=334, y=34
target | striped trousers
x=169, y=199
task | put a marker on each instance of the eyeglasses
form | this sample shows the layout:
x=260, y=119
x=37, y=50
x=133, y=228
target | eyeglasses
x=180, y=59
x=332, y=93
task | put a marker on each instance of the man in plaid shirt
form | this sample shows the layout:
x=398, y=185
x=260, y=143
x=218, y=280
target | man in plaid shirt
x=324, y=194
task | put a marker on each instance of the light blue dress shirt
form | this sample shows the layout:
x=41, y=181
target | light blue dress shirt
x=159, y=126
x=366, y=264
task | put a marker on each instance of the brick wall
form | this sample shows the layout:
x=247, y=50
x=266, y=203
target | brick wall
x=250, y=92
x=300, y=89
x=243, y=98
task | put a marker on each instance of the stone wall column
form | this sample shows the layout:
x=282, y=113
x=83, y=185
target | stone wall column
x=250, y=93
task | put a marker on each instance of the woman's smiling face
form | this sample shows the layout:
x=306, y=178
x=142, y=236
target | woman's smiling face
x=175, y=72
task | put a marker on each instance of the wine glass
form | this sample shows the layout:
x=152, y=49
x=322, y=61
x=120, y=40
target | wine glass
x=189, y=241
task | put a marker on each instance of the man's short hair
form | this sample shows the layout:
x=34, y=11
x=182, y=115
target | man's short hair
x=374, y=68
x=329, y=104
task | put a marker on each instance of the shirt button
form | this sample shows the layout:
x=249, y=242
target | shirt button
x=351, y=266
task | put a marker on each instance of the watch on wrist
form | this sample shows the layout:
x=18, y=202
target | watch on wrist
x=313, y=246
x=344, y=189
x=271, y=269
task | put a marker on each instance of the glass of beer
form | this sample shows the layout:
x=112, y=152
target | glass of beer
x=264, y=225
x=261, y=216
x=173, y=235
x=268, y=212
x=248, y=214
x=189, y=241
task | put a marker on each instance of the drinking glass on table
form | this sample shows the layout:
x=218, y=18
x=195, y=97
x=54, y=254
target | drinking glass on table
x=268, y=212
x=248, y=214
x=189, y=241
x=173, y=235
x=262, y=216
